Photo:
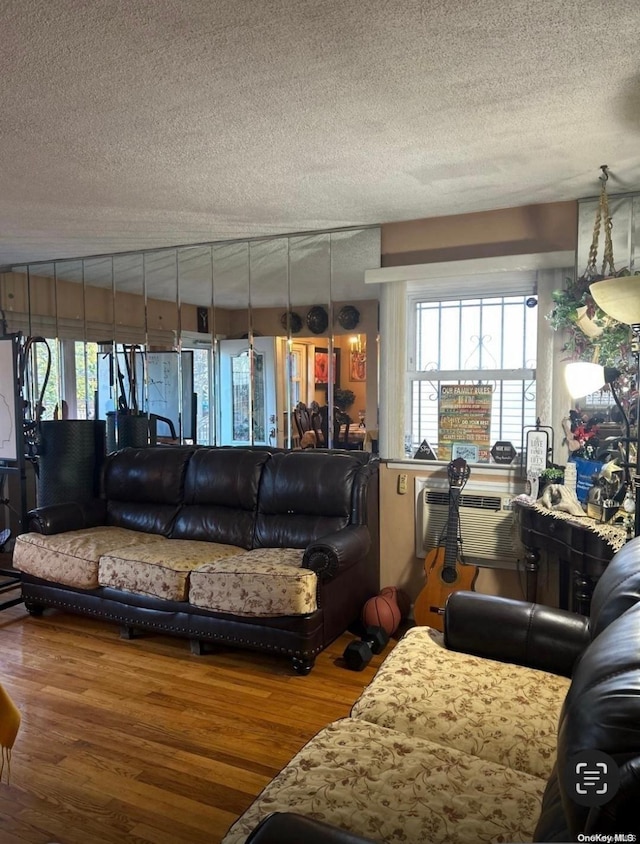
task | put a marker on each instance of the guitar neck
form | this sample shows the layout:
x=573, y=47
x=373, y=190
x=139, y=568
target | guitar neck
x=451, y=539
x=458, y=471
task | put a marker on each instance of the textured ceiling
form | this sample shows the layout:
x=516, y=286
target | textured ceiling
x=132, y=124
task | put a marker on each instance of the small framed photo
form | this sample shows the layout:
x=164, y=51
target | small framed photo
x=467, y=451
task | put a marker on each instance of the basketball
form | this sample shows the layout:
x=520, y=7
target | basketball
x=380, y=611
x=399, y=597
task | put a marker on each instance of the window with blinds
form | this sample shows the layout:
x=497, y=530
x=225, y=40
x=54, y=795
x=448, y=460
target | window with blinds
x=485, y=340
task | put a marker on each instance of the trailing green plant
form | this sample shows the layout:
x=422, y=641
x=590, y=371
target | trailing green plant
x=611, y=348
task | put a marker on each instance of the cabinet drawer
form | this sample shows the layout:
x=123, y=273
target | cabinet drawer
x=560, y=531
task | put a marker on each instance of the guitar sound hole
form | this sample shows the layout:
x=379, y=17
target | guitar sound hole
x=449, y=575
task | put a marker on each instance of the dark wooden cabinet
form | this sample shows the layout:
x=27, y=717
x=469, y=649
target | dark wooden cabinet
x=574, y=547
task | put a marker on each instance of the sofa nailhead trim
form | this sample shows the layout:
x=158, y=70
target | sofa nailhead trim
x=172, y=628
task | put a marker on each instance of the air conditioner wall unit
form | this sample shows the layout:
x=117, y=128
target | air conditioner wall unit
x=486, y=525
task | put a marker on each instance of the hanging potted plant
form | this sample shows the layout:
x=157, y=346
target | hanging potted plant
x=590, y=334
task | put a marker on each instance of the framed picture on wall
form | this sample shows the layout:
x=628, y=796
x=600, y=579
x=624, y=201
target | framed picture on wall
x=357, y=366
x=321, y=366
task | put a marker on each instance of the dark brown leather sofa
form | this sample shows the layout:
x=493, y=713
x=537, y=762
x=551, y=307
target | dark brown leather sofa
x=323, y=502
x=601, y=710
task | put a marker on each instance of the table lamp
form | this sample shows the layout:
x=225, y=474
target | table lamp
x=619, y=298
x=583, y=378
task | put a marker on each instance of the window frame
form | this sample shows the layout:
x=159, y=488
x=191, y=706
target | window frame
x=459, y=289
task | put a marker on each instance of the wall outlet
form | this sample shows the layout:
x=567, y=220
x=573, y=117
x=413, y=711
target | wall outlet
x=402, y=483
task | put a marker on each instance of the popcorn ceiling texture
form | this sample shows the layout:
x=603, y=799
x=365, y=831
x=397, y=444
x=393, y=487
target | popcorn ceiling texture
x=143, y=123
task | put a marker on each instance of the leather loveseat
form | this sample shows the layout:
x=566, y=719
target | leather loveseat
x=469, y=738
x=273, y=551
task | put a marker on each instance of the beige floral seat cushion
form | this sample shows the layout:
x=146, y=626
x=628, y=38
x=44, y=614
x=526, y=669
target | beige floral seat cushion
x=494, y=710
x=262, y=582
x=392, y=788
x=71, y=558
x=161, y=569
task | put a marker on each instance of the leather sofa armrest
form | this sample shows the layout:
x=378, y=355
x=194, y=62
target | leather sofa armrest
x=329, y=554
x=71, y=515
x=290, y=828
x=522, y=632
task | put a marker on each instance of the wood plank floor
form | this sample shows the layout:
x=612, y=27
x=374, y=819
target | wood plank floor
x=140, y=741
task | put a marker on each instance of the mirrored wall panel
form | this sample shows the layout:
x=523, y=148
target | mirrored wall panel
x=266, y=342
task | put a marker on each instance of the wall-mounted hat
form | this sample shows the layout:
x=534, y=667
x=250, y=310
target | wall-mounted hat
x=317, y=320
x=291, y=321
x=349, y=317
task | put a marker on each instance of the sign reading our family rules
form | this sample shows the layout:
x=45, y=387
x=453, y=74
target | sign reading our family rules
x=465, y=418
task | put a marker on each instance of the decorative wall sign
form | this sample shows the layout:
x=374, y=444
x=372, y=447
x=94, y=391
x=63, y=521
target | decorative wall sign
x=465, y=417
x=537, y=445
x=425, y=452
x=357, y=365
x=503, y=452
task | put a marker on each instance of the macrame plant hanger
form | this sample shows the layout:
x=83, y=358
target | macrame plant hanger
x=607, y=270
x=602, y=220
x=603, y=217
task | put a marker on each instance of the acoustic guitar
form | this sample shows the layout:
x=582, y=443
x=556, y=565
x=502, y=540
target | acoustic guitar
x=444, y=570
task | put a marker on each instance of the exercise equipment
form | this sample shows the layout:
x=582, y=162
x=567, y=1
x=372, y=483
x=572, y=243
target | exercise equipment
x=32, y=399
x=357, y=655
x=21, y=414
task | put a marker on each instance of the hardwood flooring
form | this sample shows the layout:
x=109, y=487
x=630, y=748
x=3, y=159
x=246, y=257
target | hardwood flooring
x=140, y=741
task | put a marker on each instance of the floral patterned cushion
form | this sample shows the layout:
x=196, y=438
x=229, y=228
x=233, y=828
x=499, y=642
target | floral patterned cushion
x=262, y=582
x=494, y=710
x=392, y=788
x=161, y=569
x=71, y=558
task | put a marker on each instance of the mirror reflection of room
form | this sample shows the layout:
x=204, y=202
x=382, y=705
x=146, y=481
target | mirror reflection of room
x=212, y=344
